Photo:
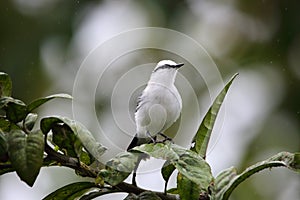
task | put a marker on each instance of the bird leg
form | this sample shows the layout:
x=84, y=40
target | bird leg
x=141, y=157
x=166, y=138
x=135, y=170
x=153, y=139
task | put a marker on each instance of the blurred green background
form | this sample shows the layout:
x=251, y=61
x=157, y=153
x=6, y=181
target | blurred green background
x=43, y=42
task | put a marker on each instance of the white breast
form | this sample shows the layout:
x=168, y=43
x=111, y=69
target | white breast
x=157, y=110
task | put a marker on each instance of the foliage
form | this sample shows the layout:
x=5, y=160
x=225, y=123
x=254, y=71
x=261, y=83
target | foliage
x=65, y=142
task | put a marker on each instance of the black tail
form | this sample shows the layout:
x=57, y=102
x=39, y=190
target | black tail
x=136, y=141
x=133, y=143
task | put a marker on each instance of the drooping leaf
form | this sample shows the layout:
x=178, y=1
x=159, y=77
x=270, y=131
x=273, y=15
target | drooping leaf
x=4, y=125
x=6, y=168
x=48, y=122
x=131, y=196
x=38, y=102
x=3, y=148
x=71, y=191
x=5, y=85
x=65, y=139
x=187, y=189
x=100, y=192
x=30, y=121
x=166, y=171
x=159, y=150
x=172, y=191
x=224, y=178
x=195, y=169
x=147, y=195
x=119, y=167
x=81, y=132
x=201, y=139
x=228, y=180
x=16, y=110
x=187, y=162
x=26, y=154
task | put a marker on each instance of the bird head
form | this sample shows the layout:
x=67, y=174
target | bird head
x=165, y=72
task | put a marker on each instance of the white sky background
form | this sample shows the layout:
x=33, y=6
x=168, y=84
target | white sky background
x=249, y=101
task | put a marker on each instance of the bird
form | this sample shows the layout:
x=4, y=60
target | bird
x=159, y=104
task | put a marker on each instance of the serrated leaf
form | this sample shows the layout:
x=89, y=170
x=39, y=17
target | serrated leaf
x=224, y=188
x=5, y=85
x=38, y=102
x=119, y=167
x=26, y=154
x=16, y=109
x=187, y=162
x=69, y=192
x=201, y=139
x=87, y=139
x=30, y=121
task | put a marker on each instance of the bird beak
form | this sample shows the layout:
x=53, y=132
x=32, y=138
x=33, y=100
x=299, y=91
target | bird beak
x=178, y=65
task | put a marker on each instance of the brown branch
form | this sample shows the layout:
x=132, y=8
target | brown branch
x=85, y=170
x=129, y=188
x=70, y=162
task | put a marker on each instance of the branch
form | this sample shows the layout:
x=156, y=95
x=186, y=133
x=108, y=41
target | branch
x=70, y=162
x=85, y=170
x=129, y=188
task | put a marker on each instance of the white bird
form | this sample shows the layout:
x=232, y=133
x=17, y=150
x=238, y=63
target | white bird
x=159, y=105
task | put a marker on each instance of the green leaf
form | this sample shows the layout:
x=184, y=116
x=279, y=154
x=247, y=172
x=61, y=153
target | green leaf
x=159, y=150
x=81, y=132
x=71, y=191
x=228, y=180
x=36, y=103
x=166, y=171
x=119, y=167
x=48, y=122
x=101, y=192
x=172, y=191
x=201, y=139
x=187, y=162
x=16, y=110
x=132, y=196
x=6, y=168
x=65, y=139
x=3, y=148
x=224, y=178
x=147, y=195
x=26, y=154
x=4, y=125
x=5, y=85
x=187, y=189
x=30, y=121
